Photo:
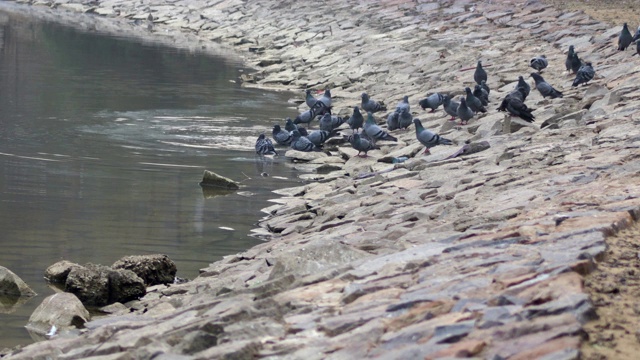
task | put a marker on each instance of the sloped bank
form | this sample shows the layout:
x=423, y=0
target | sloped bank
x=475, y=256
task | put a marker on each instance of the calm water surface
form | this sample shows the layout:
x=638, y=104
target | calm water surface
x=102, y=144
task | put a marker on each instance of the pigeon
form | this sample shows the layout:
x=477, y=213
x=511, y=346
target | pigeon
x=374, y=132
x=330, y=122
x=318, y=137
x=464, y=112
x=403, y=104
x=370, y=105
x=326, y=98
x=309, y=99
x=573, y=62
x=484, y=85
x=282, y=137
x=356, y=120
x=526, y=88
x=450, y=107
x=393, y=121
x=432, y=102
x=427, y=138
x=405, y=119
x=514, y=104
x=637, y=48
x=584, y=75
x=479, y=74
x=473, y=102
x=306, y=117
x=481, y=94
x=301, y=143
x=360, y=144
x=544, y=88
x=637, y=35
x=539, y=63
x=264, y=146
x=625, y=38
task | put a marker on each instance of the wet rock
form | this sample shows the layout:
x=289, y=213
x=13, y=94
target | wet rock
x=12, y=285
x=58, y=272
x=58, y=313
x=153, y=269
x=97, y=285
x=212, y=179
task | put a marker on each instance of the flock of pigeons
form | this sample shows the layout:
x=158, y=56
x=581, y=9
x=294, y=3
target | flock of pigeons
x=298, y=138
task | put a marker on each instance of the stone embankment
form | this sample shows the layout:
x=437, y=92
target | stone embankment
x=480, y=255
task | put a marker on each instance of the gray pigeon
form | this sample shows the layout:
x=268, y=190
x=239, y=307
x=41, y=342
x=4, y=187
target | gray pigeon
x=450, y=107
x=403, y=104
x=356, y=120
x=432, y=102
x=360, y=144
x=637, y=35
x=482, y=95
x=539, y=63
x=330, y=122
x=526, y=88
x=473, y=102
x=464, y=113
x=405, y=119
x=309, y=99
x=427, y=138
x=289, y=125
x=370, y=105
x=484, y=85
x=301, y=143
x=264, y=146
x=282, y=137
x=326, y=98
x=479, y=74
x=306, y=117
x=393, y=121
x=318, y=137
x=584, y=75
x=544, y=88
x=637, y=48
x=625, y=38
x=514, y=104
x=374, y=132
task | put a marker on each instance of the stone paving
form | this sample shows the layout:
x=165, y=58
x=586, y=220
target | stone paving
x=477, y=256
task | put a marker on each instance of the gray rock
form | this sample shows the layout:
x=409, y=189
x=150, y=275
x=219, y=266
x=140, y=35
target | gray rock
x=62, y=310
x=153, y=269
x=97, y=285
x=12, y=285
x=209, y=178
x=58, y=272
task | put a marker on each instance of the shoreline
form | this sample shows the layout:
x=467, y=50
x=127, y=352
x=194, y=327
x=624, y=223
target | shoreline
x=479, y=255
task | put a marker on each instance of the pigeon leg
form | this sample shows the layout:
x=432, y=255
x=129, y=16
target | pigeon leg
x=426, y=151
x=432, y=110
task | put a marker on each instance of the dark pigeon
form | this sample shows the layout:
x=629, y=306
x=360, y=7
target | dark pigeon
x=464, y=112
x=539, y=63
x=281, y=137
x=473, y=102
x=544, y=88
x=514, y=104
x=481, y=94
x=428, y=138
x=403, y=104
x=625, y=38
x=356, y=121
x=569, y=59
x=432, y=102
x=479, y=75
x=637, y=35
x=637, y=48
x=360, y=144
x=584, y=75
x=573, y=62
x=450, y=107
x=393, y=121
x=370, y=105
x=289, y=125
x=405, y=119
x=301, y=143
x=374, y=132
x=524, y=85
x=484, y=85
x=264, y=146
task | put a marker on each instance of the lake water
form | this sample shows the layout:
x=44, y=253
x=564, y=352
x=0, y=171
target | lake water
x=103, y=141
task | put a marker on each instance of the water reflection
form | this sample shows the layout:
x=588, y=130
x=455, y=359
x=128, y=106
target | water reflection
x=102, y=144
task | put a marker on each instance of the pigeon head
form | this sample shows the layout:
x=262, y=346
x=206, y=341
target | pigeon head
x=463, y=102
x=467, y=90
x=356, y=110
x=571, y=49
x=446, y=100
x=276, y=128
x=479, y=63
x=295, y=134
x=261, y=137
x=364, y=97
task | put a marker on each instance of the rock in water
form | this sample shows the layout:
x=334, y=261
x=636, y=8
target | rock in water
x=64, y=311
x=12, y=285
x=212, y=179
x=153, y=269
x=58, y=272
x=97, y=285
